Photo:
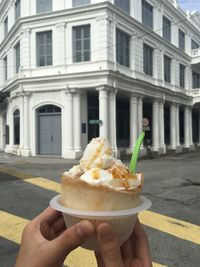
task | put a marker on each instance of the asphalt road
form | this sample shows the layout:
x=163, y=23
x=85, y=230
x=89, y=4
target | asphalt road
x=171, y=183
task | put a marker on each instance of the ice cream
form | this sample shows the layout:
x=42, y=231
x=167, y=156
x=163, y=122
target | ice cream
x=100, y=181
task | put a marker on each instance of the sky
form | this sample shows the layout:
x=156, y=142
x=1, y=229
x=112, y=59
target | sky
x=190, y=5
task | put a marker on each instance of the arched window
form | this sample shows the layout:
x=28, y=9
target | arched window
x=16, y=118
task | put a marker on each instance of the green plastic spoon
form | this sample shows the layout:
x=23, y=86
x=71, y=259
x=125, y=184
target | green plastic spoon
x=134, y=157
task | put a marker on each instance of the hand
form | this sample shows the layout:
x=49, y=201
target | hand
x=46, y=242
x=133, y=253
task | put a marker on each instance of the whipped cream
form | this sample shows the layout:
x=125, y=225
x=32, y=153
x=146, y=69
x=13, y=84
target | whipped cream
x=96, y=176
x=97, y=154
x=99, y=167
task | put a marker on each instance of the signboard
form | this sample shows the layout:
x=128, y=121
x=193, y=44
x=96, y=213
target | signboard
x=145, y=122
x=95, y=121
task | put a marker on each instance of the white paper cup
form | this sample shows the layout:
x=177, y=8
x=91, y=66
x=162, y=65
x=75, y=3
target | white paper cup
x=122, y=221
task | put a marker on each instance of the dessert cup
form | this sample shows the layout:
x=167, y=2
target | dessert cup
x=122, y=221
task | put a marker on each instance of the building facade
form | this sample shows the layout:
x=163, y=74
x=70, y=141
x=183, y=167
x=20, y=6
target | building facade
x=71, y=70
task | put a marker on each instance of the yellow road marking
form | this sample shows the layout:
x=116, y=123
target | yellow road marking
x=14, y=173
x=172, y=226
x=11, y=227
x=44, y=183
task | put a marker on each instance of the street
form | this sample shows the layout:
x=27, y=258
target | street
x=172, y=223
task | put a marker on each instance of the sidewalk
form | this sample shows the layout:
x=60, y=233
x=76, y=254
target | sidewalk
x=10, y=158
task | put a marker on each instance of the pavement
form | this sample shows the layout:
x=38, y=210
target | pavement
x=172, y=183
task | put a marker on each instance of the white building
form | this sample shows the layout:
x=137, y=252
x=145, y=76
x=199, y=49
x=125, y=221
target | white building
x=67, y=64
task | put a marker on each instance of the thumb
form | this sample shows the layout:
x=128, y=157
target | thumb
x=109, y=246
x=73, y=237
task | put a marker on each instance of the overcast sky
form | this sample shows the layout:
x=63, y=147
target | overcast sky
x=190, y=4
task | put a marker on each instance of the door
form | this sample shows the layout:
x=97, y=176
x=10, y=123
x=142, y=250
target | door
x=49, y=126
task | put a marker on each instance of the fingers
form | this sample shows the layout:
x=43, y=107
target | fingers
x=58, y=225
x=136, y=263
x=109, y=246
x=127, y=252
x=99, y=259
x=141, y=245
x=49, y=215
x=74, y=237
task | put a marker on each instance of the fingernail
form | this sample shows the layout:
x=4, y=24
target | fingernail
x=84, y=229
x=105, y=233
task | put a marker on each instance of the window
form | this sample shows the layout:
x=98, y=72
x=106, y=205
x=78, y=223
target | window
x=81, y=43
x=182, y=75
x=16, y=118
x=148, y=59
x=44, y=48
x=17, y=9
x=43, y=6
x=195, y=80
x=17, y=57
x=76, y=3
x=5, y=61
x=6, y=26
x=181, y=39
x=124, y=5
x=167, y=69
x=194, y=45
x=147, y=14
x=123, y=48
x=166, y=29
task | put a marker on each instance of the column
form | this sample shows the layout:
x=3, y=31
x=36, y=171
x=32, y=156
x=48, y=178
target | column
x=186, y=127
x=162, y=126
x=77, y=122
x=26, y=127
x=1, y=131
x=156, y=137
x=112, y=120
x=140, y=115
x=177, y=126
x=69, y=121
x=9, y=147
x=133, y=121
x=103, y=112
x=173, y=126
x=199, y=128
x=190, y=127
